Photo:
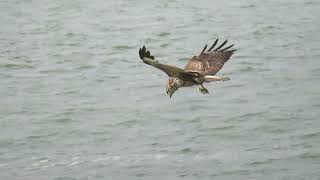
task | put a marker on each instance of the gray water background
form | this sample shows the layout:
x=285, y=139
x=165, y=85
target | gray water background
x=76, y=102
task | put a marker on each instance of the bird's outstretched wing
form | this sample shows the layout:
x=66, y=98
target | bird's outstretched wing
x=211, y=61
x=171, y=71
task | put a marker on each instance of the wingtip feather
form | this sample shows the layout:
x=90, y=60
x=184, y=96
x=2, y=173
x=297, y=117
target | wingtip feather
x=214, y=44
x=205, y=47
x=226, y=48
x=225, y=42
x=143, y=52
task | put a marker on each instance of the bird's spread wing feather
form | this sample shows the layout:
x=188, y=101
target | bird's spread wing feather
x=211, y=61
x=171, y=71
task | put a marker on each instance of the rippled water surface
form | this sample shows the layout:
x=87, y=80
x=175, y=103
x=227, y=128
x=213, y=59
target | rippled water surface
x=77, y=103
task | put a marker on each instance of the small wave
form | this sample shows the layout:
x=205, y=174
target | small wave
x=310, y=2
x=140, y=175
x=186, y=150
x=65, y=178
x=127, y=123
x=238, y=171
x=82, y=67
x=164, y=45
x=123, y=47
x=316, y=105
x=42, y=135
x=74, y=163
x=163, y=34
x=58, y=70
x=234, y=86
x=16, y=66
x=249, y=6
x=62, y=120
x=311, y=135
x=247, y=69
x=113, y=77
x=250, y=63
x=315, y=69
x=152, y=86
x=309, y=155
x=2, y=165
x=249, y=115
x=267, y=161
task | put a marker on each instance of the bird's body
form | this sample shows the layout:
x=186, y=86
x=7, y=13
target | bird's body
x=184, y=82
x=200, y=69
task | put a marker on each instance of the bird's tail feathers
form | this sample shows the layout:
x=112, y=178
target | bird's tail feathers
x=209, y=78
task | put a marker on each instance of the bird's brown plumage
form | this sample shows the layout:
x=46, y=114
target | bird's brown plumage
x=211, y=61
x=199, y=69
x=206, y=63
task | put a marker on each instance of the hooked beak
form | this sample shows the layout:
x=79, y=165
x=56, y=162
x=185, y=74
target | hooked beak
x=170, y=92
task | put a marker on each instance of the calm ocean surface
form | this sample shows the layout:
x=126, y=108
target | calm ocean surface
x=76, y=102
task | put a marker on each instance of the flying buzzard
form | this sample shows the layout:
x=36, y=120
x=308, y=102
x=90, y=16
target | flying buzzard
x=200, y=69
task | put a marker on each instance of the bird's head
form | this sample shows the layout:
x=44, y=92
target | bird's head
x=171, y=87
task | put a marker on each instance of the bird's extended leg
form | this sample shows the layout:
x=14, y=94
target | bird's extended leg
x=203, y=90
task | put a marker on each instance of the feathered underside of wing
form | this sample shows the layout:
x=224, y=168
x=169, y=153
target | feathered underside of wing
x=171, y=71
x=211, y=61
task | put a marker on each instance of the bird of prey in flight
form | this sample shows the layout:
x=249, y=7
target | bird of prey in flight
x=200, y=69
